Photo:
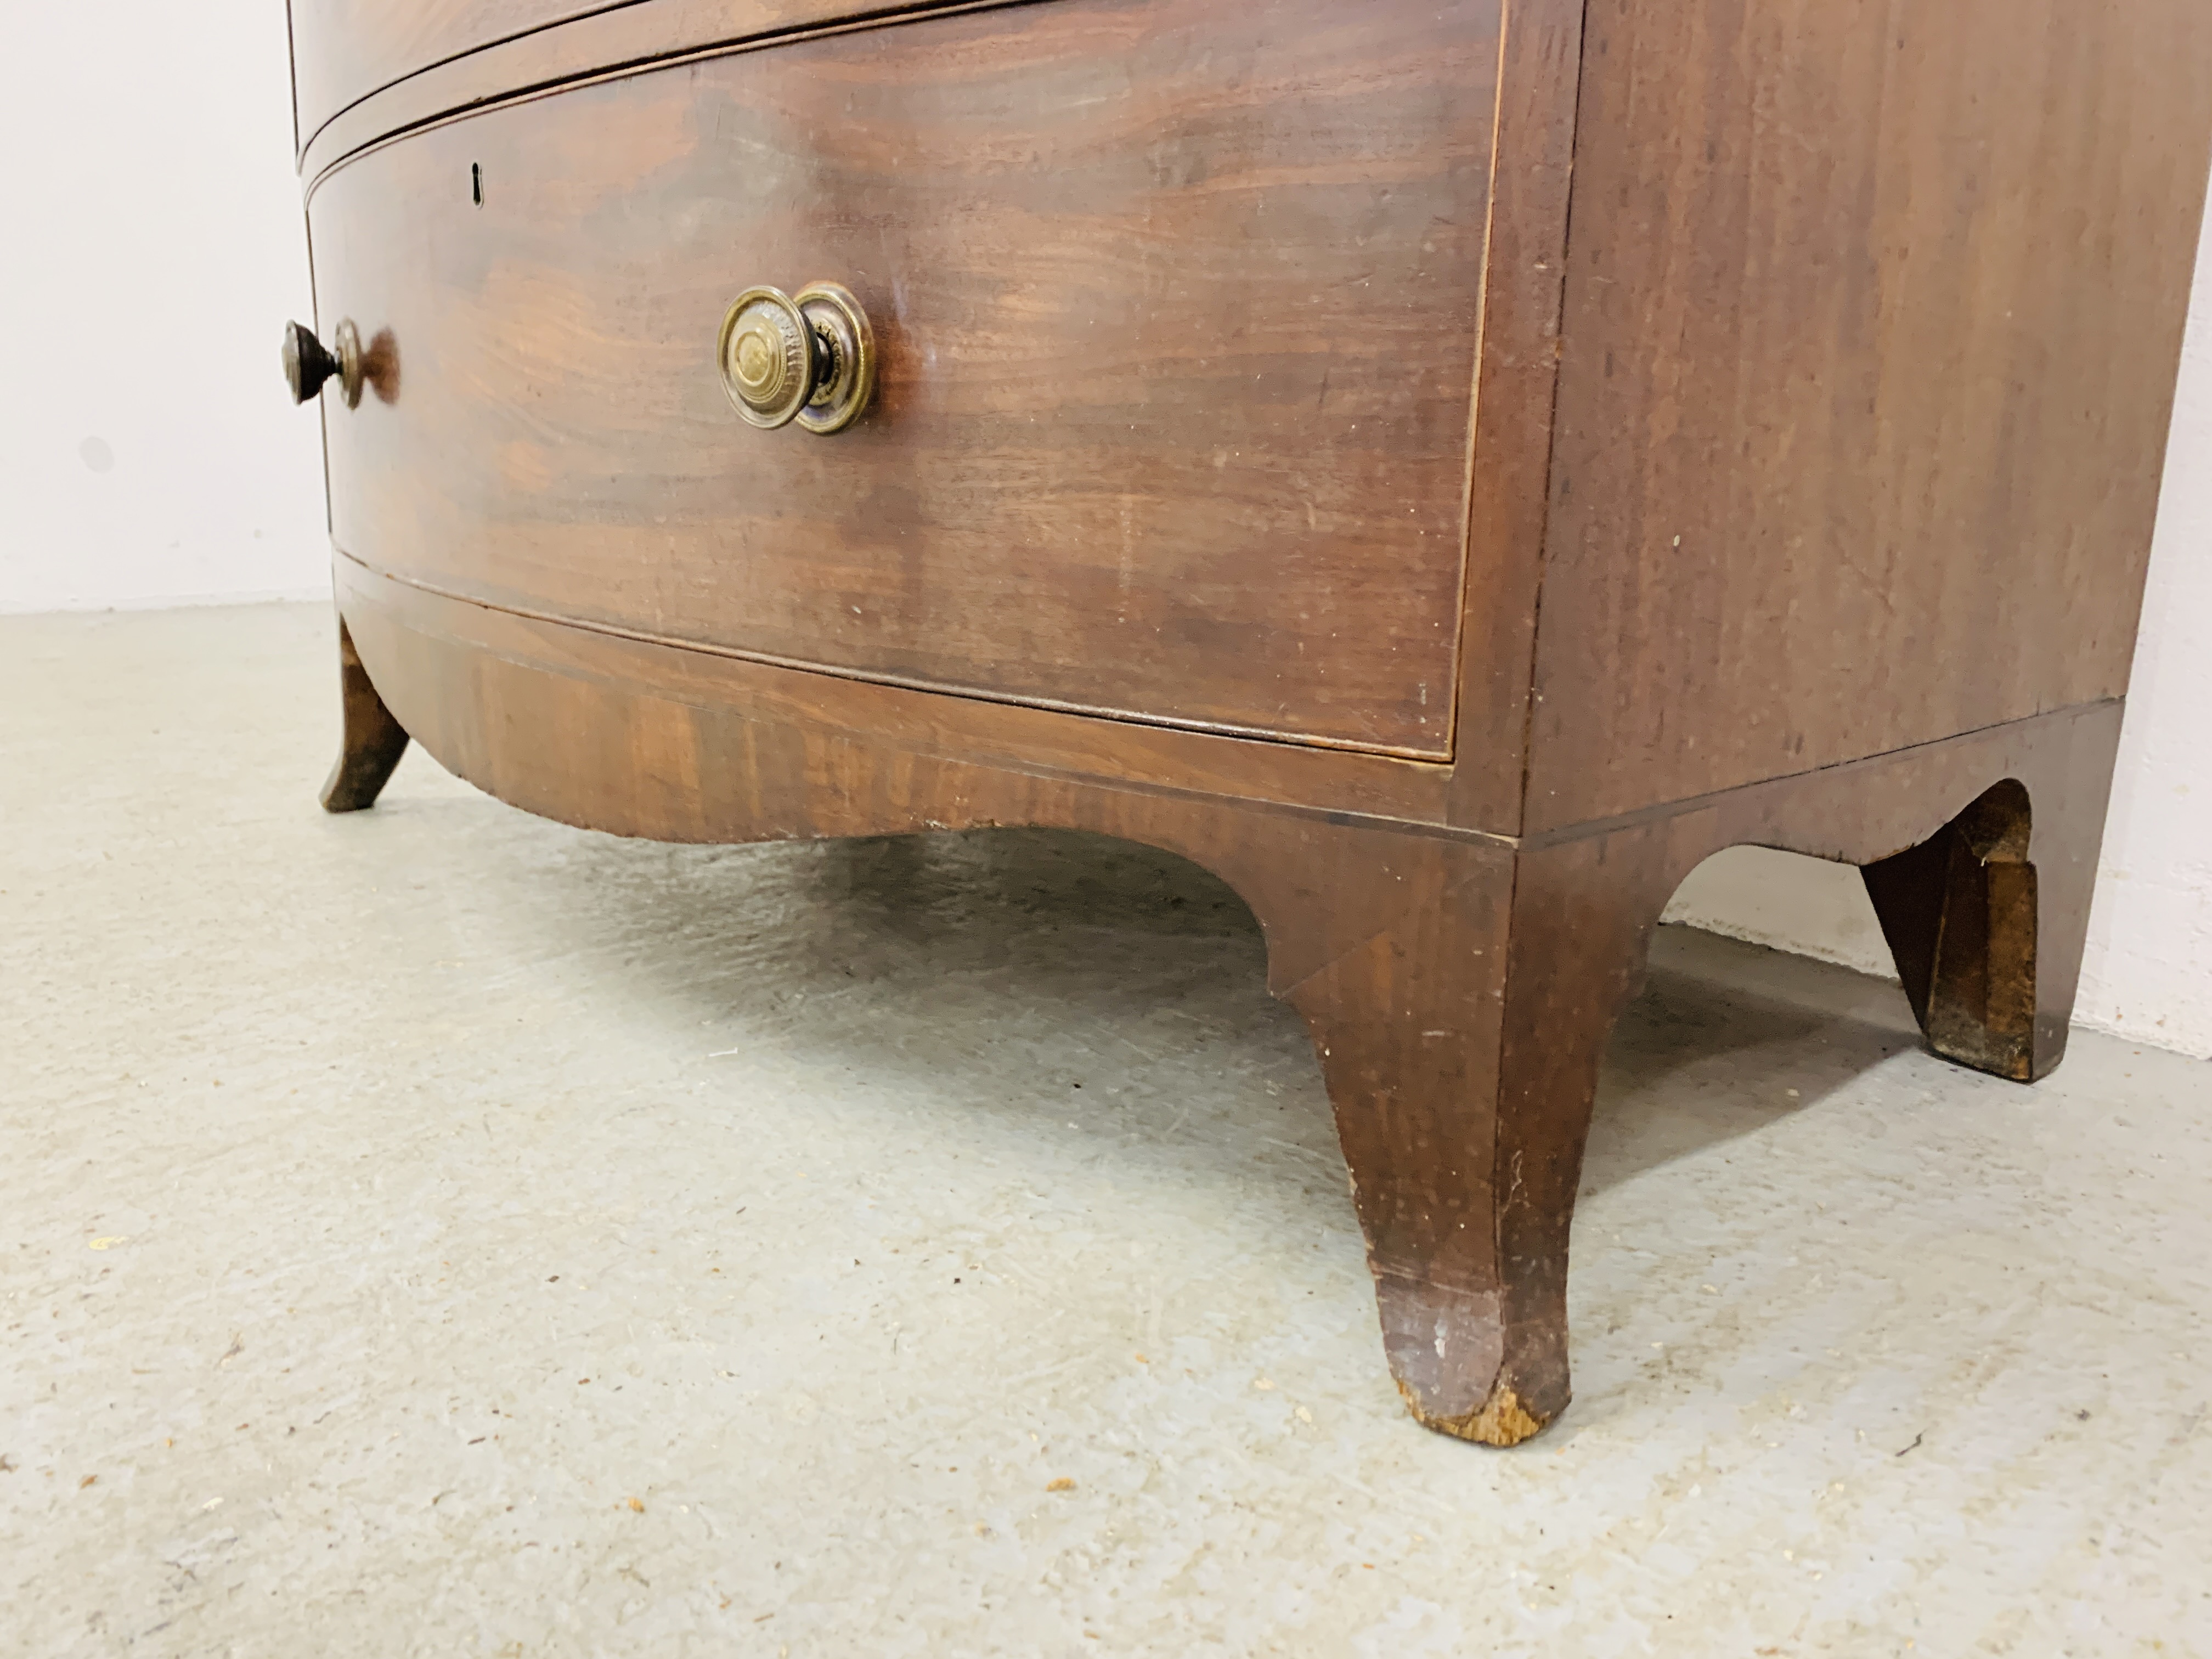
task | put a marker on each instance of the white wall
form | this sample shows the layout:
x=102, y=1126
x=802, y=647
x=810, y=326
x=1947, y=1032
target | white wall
x=153, y=249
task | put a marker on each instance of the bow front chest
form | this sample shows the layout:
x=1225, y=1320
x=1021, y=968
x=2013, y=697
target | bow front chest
x=1447, y=466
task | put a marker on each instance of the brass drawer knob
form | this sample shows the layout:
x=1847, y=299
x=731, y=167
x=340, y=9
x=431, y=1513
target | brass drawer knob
x=308, y=364
x=809, y=357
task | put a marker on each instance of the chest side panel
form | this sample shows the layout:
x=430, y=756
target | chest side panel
x=1872, y=322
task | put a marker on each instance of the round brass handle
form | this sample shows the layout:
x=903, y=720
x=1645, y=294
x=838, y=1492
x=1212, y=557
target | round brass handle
x=809, y=357
x=308, y=364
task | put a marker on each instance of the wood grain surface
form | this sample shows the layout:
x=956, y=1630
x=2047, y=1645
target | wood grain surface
x=1509, y=489
x=344, y=49
x=1041, y=741
x=509, y=46
x=1177, y=308
x=1872, y=321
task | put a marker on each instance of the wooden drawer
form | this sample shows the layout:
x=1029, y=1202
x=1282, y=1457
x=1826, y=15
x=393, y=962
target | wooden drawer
x=1177, y=308
x=344, y=49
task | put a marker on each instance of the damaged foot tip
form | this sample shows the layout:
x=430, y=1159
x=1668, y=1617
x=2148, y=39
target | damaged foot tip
x=1503, y=1420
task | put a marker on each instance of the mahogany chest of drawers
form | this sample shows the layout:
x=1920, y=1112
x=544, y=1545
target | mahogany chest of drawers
x=1449, y=466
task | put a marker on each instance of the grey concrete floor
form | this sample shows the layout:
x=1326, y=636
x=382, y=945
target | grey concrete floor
x=441, y=1232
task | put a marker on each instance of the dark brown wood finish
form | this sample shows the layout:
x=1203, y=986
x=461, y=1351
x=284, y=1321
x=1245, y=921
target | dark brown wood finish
x=344, y=49
x=438, y=59
x=1960, y=911
x=1509, y=465
x=1876, y=311
x=1459, y=989
x=371, y=743
x=1872, y=321
x=1177, y=312
x=1037, y=741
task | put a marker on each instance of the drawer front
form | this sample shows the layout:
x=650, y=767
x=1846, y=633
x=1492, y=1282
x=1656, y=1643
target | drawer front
x=1176, y=308
x=343, y=50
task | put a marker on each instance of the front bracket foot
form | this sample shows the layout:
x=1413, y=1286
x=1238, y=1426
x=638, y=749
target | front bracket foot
x=372, y=743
